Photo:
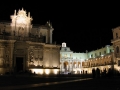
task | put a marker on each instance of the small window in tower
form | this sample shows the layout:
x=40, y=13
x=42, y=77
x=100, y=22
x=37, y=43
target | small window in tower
x=116, y=35
x=100, y=53
x=117, y=49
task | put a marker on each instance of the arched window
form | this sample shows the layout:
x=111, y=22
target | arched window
x=116, y=35
x=117, y=49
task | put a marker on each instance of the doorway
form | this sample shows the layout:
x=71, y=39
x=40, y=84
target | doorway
x=19, y=64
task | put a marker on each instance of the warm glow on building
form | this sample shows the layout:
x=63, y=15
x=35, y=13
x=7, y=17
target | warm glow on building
x=25, y=46
x=37, y=71
x=56, y=71
x=47, y=71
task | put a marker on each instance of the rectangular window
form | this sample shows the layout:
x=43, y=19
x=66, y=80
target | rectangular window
x=91, y=55
x=104, y=52
x=116, y=35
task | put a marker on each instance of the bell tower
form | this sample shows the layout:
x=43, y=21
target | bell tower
x=116, y=44
x=21, y=23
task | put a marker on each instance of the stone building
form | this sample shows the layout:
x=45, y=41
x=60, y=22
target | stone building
x=24, y=46
x=103, y=58
x=70, y=62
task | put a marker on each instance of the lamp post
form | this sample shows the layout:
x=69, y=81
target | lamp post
x=112, y=64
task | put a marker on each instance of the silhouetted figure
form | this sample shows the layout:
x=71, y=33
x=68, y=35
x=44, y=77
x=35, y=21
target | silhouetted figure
x=97, y=72
x=105, y=72
x=34, y=73
x=110, y=73
x=93, y=73
x=83, y=71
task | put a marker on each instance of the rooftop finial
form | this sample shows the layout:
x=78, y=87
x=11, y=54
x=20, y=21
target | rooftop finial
x=22, y=9
x=15, y=12
x=28, y=14
x=51, y=25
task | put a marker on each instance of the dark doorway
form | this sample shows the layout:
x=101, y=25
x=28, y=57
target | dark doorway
x=19, y=64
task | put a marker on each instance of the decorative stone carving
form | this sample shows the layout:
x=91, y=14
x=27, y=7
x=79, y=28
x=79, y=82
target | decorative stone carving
x=31, y=54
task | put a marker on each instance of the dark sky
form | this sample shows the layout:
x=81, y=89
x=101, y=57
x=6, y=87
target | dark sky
x=82, y=25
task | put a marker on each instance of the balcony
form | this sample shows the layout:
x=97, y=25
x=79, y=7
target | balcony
x=33, y=39
x=33, y=66
x=66, y=58
x=116, y=39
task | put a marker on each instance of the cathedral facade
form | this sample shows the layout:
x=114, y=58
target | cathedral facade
x=24, y=46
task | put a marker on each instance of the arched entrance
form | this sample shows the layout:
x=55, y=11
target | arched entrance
x=66, y=66
x=74, y=65
x=79, y=65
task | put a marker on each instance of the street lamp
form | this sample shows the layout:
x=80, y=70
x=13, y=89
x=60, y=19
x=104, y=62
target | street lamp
x=112, y=60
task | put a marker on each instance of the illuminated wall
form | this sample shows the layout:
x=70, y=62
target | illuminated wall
x=116, y=44
x=44, y=55
x=72, y=62
x=45, y=71
x=32, y=44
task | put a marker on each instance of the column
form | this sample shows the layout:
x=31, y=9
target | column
x=47, y=36
x=51, y=36
x=28, y=58
x=11, y=55
x=62, y=66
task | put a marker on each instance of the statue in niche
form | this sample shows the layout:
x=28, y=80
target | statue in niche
x=14, y=33
x=21, y=31
x=31, y=62
x=31, y=53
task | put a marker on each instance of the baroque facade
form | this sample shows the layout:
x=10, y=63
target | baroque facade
x=103, y=59
x=24, y=46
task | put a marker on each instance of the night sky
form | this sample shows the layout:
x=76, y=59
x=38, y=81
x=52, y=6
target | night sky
x=82, y=25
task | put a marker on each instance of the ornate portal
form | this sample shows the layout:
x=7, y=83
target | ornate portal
x=27, y=45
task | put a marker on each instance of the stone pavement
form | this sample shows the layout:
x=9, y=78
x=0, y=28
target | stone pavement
x=39, y=84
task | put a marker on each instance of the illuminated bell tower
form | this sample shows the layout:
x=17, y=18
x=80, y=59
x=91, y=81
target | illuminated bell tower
x=116, y=44
x=21, y=23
